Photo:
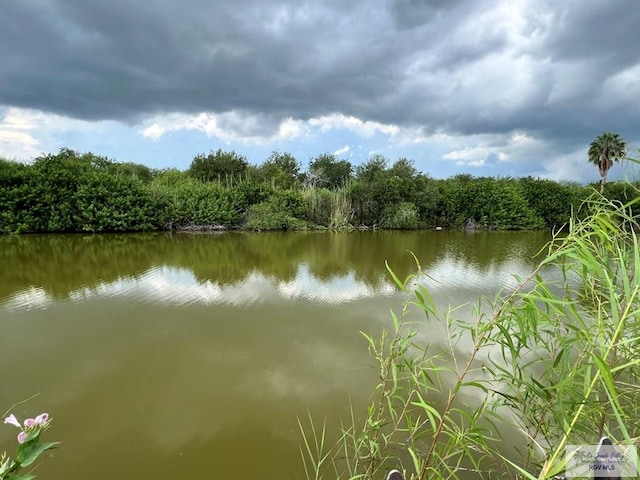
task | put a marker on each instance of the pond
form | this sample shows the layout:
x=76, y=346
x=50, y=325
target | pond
x=164, y=356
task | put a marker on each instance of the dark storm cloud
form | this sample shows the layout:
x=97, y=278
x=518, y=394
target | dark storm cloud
x=414, y=13
x=457, y=66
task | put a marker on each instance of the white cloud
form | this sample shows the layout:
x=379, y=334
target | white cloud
x=572, y=166
x=27, y=133
x=16, y=139
x=155, y=130
x=18, y=145
x=247, y=128
x=474, y=156
x=516, y=147
x=291, y=128
x=342, y=151
x=338, y=121
x=228, y=126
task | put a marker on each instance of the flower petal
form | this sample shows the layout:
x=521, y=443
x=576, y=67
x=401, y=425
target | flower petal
x=22, y=437
x=42, y=418
x=12, y=420
x=29, y=422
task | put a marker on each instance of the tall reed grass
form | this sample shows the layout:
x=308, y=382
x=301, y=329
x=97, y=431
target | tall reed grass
x=558, y=362
x=329, y=208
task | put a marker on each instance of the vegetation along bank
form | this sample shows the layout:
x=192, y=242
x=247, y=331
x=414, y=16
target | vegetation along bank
x=83, y=192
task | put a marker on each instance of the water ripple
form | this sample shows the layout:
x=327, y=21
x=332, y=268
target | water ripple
x=27, y=299
x=177, y=286
x=448, y=279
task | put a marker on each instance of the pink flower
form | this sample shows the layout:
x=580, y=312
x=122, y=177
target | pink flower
x=30, y=425
x=42, y=419
x=12, y=420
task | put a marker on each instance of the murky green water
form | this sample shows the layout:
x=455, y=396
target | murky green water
x=189, y=356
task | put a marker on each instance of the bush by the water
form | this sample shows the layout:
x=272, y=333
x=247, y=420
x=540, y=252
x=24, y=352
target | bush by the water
x=83, y=192
x=73, y=193
x=285, y=210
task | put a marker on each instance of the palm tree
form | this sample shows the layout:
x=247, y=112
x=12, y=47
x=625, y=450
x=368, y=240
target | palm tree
x=604, y=150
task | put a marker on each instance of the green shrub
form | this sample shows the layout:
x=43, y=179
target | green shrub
x=106, y=203
x=491, y=203
x=192, y=202
x=254, y=192
x=13, y=193
x=290, y=201
x=70, y=192
x=553, y=202
x=270, y=216
x=623, y=192
x=402, y=216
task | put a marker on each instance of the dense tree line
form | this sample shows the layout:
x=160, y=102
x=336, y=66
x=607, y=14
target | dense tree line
x=83, y=192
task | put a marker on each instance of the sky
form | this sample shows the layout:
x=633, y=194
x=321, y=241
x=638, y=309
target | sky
x=485, y=87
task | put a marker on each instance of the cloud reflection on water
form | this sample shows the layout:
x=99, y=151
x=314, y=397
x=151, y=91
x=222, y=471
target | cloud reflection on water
x=453, y=280
x=179, y=286
x=28, y=299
